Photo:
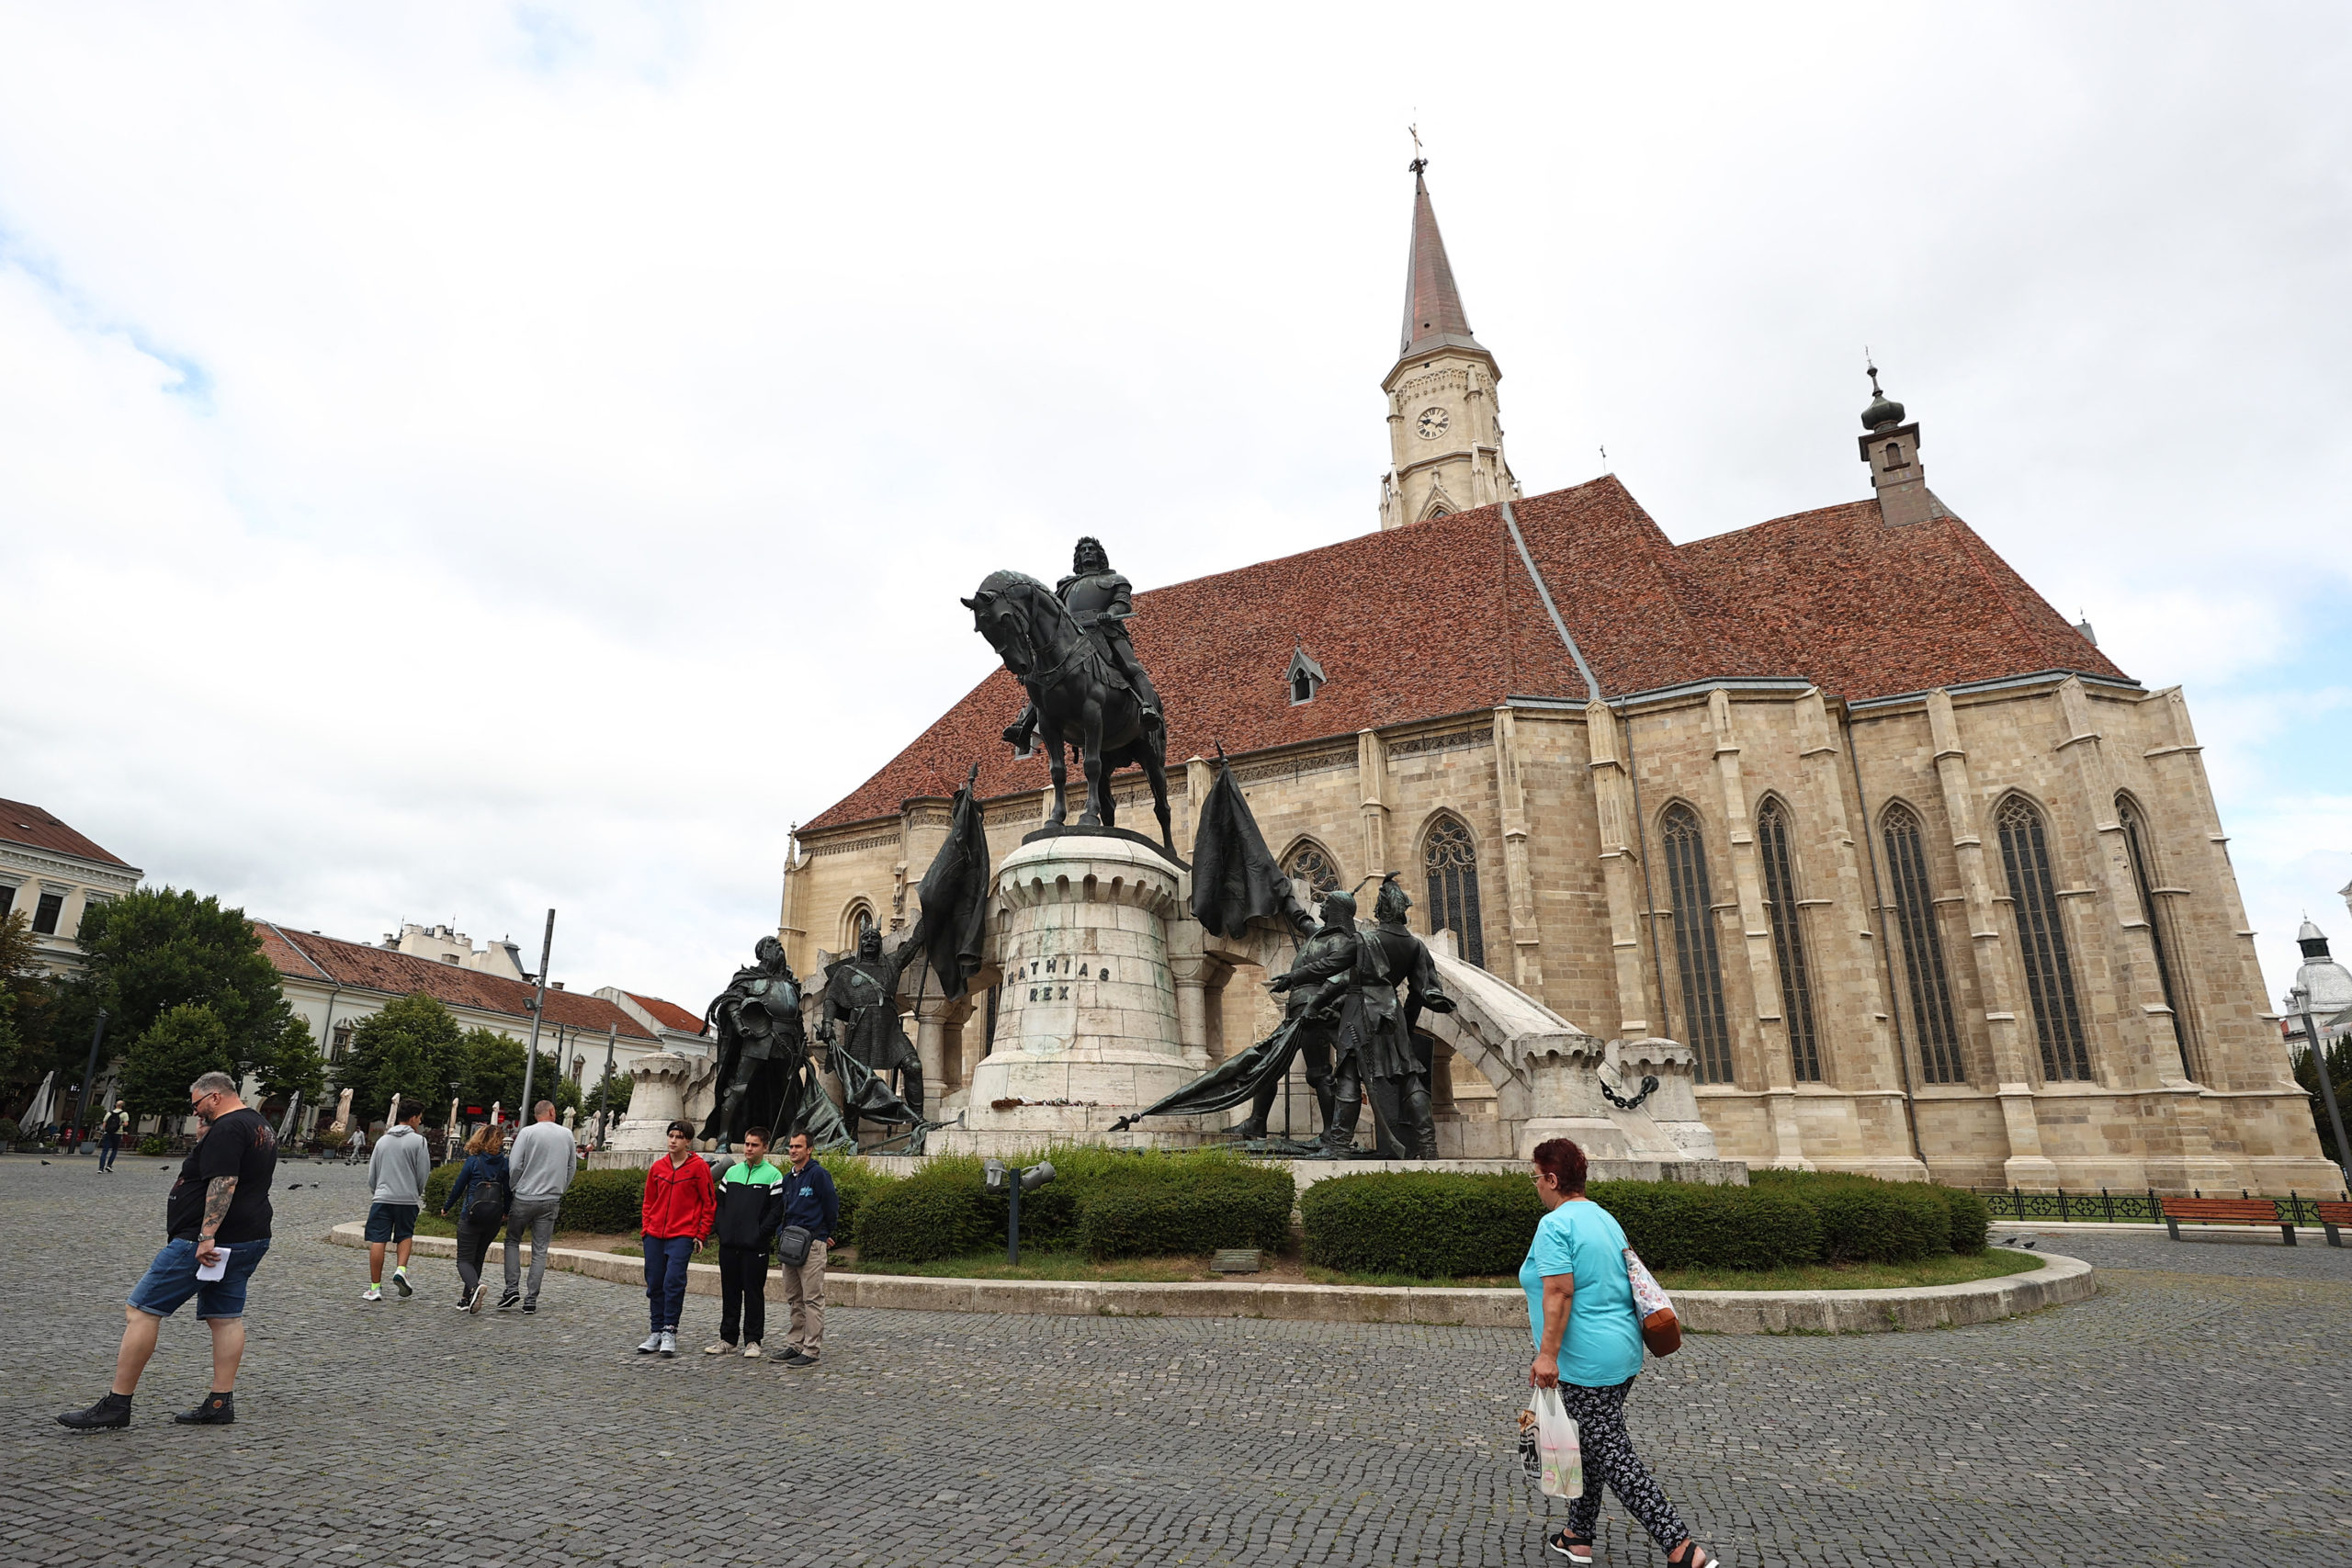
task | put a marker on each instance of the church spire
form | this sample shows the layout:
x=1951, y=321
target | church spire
x=1433, y=313
x=1446, y=437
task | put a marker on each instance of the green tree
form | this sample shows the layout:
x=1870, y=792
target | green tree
x=290, y=1065
x=154, y=950
x=593, y=1101
x=27, y=1003
x=2340, y=1068
x=495, y=1076
x=172, y=1053
x=413, y=1048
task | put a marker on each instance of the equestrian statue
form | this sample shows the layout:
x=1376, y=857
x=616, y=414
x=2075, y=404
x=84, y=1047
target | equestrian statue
x=1068, y=649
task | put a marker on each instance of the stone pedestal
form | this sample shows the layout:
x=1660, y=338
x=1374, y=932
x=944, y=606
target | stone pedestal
x=657, y=1099
x=1087, y=1026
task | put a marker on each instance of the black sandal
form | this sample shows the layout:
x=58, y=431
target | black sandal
x=1566, y=1543
x=1699, y=1556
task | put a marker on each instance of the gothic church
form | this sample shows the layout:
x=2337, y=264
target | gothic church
x=1926, y=883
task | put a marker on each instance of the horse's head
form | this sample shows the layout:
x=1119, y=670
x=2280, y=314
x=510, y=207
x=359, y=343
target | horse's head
x=1000, y=613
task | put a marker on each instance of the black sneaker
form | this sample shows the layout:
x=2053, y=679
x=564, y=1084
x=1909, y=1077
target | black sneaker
x=531, y=1305
x=509, y=1299
x=113, y=1410
x=218, y=1410
x=796, y=1360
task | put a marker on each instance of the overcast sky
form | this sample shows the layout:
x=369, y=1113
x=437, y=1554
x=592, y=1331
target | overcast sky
x=456, y=460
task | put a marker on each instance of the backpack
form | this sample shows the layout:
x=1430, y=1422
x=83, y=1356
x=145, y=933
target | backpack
x=486, y=1201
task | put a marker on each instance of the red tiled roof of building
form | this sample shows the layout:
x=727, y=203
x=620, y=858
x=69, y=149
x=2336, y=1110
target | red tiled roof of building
x=306, y=955
x=1440, y=617
x=670, y=1014
x=23, y=823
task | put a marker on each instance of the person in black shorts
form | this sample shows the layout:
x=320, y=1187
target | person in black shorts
x=216, y=1214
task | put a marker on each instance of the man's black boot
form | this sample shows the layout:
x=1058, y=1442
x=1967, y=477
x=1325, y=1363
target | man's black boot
x=218, y=1410
x=114, y=1410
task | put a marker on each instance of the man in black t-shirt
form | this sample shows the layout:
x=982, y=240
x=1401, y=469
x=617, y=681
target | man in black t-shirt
x=217, y=1218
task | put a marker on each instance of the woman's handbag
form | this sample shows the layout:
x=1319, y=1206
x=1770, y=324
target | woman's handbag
x=792, y=1243
x=1557, y=1446
x=1661, y=1330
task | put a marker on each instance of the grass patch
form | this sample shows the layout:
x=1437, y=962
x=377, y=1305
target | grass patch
x=1318, y=1275
x=1952, y=1269
x=1063, y=1266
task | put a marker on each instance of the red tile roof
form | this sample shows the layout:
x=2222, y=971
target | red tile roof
x=1439, y=618
x=25, y=824
x=305, y=956
x=670, y=1013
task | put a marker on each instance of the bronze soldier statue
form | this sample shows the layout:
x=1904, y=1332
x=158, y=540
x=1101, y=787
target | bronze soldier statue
x=1327, y=953
x=761, y=1046
x=862, y=1013
x=1376, y=1046
x=1101, y=602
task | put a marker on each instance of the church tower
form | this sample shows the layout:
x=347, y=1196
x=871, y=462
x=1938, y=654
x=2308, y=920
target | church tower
x=1891, y=450
x=1445, y=436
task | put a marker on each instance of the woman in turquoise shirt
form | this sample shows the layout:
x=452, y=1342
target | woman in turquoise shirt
x=1589, y=1345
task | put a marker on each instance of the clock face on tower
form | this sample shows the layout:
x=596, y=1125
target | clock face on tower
x=1433, y=423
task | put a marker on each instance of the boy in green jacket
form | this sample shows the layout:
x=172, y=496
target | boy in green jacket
x=750, y=1203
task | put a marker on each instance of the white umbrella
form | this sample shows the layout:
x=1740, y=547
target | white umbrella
x=37, y=1113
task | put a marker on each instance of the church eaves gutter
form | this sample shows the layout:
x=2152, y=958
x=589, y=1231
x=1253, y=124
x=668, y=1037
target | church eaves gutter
x=1997, y=684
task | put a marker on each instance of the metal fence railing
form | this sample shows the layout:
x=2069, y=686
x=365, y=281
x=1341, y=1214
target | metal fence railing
x=2119, y=1208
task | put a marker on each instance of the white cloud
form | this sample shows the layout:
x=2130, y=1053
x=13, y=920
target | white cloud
x=455, y=461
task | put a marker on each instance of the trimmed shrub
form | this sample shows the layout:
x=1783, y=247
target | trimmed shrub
x=608, y=1202
x=855, y=1183
x=941, y=1211
x=1677, y=1224
x=1970, y=1219
x=1865, y=1220
x=437, y=1185
x=1424, y=1223
x=154, y=1144
x=1248, y=1207
x=9, y=1131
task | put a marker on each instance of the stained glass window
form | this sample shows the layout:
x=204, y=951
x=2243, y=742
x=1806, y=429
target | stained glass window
x=1788, y=940
x=1923, y=947
x=1696, y=958
x=2041, y=941
x=1449, y=856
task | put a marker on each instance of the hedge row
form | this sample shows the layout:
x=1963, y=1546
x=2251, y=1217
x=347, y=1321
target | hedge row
x=1436, y=1226
x=1104, y=1203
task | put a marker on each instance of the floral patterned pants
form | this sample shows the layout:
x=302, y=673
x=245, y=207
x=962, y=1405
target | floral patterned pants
x=1608, y=1458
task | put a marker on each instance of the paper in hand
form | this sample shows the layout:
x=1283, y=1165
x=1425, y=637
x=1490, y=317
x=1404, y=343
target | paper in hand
x=217, y=1267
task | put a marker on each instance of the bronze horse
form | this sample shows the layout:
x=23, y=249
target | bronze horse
x=1078, y=695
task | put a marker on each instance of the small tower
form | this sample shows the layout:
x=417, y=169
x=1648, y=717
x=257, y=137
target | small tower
x=1446, y=437
x=1891, y=450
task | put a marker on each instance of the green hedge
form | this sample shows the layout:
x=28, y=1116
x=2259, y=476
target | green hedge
x=854, y=1184
x=941, y=1211
x=437, y=1185
x=1421, y=1223
x=1249, y=1207
x=607, y=1203
x=1436, y=1226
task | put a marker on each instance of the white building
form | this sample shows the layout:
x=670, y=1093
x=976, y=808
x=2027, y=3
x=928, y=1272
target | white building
x=52, y=874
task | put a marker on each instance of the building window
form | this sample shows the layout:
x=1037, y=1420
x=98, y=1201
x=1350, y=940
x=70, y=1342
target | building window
x=45, y=913
x=1696, y=959
x=1309, y=863
x=2134, y=840
x=1894, y=454
x=1305, y=676
x=856, y=920
x=1923, y=948
x=342, y=1042
x=7, y=899
x=2041, y=941
x=1450, y=858
x=1788, y=940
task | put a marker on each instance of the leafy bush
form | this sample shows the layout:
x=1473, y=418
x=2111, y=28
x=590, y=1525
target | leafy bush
x=1675, y=1224
x=1249, y=1207
x=1864, y=1220
x=941, y=1211
x=855, y=1182
x=154, y=1144
x=1970, y=1219
x=609, y=1203
x=1421, y=1222
x=331, y=1138
x=437, y=1185
x=9, y=1131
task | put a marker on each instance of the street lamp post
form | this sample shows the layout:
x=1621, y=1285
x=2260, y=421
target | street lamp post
x=538, y=1010
x=90, y=1077
x=1012, y=1183
x=2301, y=997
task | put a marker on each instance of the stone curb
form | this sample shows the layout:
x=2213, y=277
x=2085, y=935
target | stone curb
x=2059, y=1280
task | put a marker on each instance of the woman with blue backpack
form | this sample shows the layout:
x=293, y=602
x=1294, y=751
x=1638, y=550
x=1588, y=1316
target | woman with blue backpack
x=478, y=1198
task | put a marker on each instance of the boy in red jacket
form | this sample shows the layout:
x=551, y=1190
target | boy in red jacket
x=681, y=1200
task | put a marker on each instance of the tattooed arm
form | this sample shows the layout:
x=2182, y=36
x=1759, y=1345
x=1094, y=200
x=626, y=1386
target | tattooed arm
x=217, y=1194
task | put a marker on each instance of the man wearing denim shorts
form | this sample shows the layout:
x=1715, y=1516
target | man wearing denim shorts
x=397, y=1173
x=217, y=1216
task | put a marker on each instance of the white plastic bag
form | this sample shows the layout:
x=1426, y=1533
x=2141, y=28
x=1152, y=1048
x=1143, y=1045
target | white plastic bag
x=1556, y=1445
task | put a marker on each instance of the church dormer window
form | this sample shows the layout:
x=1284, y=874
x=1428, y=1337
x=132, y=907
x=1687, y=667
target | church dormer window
x=1305, y=676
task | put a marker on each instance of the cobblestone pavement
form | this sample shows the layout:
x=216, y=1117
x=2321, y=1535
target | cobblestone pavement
x=2195, y=1411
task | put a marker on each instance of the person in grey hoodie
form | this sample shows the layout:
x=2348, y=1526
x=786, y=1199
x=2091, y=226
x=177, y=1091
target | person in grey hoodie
x=396, y=1176
x=541, y=1163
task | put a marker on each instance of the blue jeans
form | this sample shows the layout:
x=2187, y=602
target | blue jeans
x=108, y=1146
x=171, y=1279
x=665, y=1278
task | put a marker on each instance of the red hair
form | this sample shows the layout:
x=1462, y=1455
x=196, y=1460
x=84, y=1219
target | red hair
x=1560, y=1159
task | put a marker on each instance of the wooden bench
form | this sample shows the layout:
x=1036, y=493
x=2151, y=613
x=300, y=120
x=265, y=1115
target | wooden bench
x=2228, y=1210
x=2334, y=1217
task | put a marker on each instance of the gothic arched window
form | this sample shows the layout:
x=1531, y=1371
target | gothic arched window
x=1449, y=856
x=1309, y=861
x=1923, y=946
x=2042, y=939
x=856, y=920
x=1695, y=956
x=1788, y=940
x=2127, y=812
